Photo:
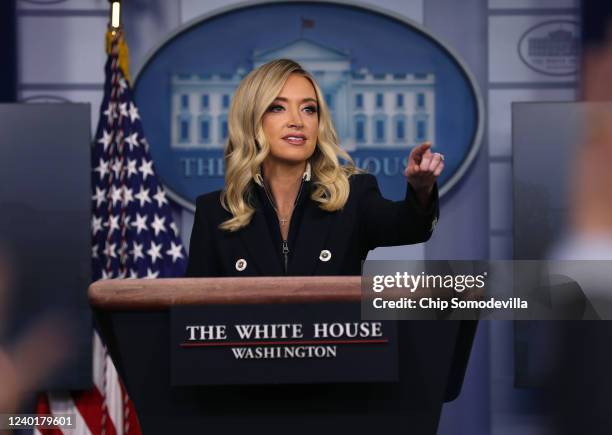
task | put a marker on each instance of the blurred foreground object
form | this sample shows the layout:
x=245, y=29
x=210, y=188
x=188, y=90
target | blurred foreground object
x=582, y=386
x=592, y=197
x=22, y=369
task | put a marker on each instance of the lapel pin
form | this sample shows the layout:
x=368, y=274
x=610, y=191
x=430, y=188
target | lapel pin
x=241, y=264
x=325, y=255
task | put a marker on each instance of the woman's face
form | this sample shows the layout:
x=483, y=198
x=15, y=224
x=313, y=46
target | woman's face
x=291, y=123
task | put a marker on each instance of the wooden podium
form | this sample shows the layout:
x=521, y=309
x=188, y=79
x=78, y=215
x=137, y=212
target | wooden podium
x=134, y=320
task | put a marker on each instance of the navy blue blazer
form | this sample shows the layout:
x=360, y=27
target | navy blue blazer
x=325, y=243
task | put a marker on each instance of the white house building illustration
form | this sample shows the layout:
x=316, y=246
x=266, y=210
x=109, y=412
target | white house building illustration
x=559, y=43
x=390, y=110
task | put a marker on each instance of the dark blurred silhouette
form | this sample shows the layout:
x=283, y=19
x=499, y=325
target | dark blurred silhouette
x=581, y=389
x=39, y=351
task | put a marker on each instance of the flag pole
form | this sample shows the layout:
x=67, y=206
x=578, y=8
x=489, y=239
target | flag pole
x=112, y=39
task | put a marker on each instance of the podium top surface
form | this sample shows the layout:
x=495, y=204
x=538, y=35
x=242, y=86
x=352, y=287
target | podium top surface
x=144, y=294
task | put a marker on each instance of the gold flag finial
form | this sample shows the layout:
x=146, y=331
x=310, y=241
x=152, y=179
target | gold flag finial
x=114, y=35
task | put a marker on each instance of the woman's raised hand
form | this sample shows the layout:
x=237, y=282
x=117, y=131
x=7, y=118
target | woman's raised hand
x=423, y=168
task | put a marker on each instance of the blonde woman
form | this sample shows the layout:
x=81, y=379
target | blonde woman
x=293, y=201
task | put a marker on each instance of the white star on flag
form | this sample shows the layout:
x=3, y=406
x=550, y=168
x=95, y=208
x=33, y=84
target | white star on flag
x=106, y=139
x=112, y=224
x=141, y=223
x=158, y=224
x=122, y=85
x=143, y=196
x=132, y=140
x=117, y=168
x=131, y=168
x=115, y=194
x=133, y=113
x=109, y=249
x=100, y=196
x=176, y=251
x=151, y=274
x=123, y=110
x=127, y=196
x=102, y=168
x=96, y=224
x=160, y=197
x=153, y=252
x=137, y=251
x=110, y=114
x=146, y=168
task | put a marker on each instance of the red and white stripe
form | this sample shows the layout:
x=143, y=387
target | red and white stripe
x=104, y=410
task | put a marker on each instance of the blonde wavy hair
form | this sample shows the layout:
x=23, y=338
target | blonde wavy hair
x=247, y=147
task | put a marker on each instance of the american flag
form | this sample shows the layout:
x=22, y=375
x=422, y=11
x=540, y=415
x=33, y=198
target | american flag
x=133, y=236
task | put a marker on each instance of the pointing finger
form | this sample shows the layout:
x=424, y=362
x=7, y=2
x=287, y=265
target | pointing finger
x=418, y=152
x=435, y=161
x=439, y=169
x=426, y=160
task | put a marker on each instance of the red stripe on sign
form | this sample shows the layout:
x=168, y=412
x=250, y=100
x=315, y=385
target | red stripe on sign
x=260, y=343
